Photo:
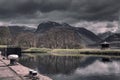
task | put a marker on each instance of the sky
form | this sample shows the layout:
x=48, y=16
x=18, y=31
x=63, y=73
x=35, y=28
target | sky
x=91, y=14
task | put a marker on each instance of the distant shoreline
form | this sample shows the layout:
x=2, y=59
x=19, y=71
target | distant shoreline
x=74, y=52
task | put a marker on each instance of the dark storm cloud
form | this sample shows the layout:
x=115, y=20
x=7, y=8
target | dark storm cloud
x=76, y=9
x=97, y=9
x=13, y=8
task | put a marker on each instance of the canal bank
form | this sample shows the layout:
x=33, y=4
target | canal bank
x=16, y=72
x=72, y=52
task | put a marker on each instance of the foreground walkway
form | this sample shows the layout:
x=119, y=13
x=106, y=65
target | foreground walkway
x=6, y=73
x=16, y=72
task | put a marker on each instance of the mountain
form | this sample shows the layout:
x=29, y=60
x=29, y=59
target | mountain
x=15, y=30
x=46, y=26
x=64, y=35
x=88, y=36
x=104, y=35
x=114, y=37
x=48, y=34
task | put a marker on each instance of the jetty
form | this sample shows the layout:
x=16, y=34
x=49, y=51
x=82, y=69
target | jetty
x=16, y=72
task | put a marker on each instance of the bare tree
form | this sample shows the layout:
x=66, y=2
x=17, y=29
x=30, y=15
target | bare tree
x=5, y=36
x=25, y=40
x=60, y=38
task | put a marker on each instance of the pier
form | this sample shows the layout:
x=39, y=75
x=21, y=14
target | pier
x=16, y=72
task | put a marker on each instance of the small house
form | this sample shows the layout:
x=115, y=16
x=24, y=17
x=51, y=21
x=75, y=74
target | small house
x=105, y=45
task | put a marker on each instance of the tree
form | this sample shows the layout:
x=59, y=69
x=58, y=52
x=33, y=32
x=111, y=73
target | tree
x=60, y=38
x=25, y=40
x=5, y=36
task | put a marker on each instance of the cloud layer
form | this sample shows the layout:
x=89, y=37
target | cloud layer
x=71, y=11
x=81, y=9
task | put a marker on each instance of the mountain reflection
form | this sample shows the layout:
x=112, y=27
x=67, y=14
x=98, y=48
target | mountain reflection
x=55, y=64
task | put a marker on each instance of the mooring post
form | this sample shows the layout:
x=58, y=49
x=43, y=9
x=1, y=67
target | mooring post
x=13, y=59
x=33, y=74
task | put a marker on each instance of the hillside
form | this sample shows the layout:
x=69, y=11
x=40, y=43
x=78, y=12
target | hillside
x=4, y=35
x=49, y=34
x=104, y=35
x=113, y=37
x=88, y=36
x=65, y=35
x=15, y=30
x=43, y=27
x=15, y=35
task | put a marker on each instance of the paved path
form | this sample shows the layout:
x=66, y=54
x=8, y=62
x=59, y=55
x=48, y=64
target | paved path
x=6, y=73
x=16, y=72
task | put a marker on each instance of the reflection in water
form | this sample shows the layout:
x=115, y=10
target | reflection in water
x=96, y=71
x=100, y=68
x=74, y=68
x=53, y=64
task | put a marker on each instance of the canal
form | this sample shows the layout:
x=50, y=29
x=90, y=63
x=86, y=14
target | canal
x=74, y=67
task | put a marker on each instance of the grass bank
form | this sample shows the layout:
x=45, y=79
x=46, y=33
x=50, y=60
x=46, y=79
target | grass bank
x=85, y=51
x=74, y=52
x=3, y=46
x=37, y=50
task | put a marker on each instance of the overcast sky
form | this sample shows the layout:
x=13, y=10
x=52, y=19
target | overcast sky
x=33, y=12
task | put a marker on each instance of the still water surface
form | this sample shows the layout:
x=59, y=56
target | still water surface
x=74, y=68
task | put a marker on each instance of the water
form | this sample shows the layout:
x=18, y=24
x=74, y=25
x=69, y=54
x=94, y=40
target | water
x=74, y=68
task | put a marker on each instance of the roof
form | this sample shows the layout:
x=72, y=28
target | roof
x=105, y=43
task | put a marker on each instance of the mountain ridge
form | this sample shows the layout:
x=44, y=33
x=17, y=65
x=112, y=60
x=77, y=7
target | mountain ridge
x=52, y=35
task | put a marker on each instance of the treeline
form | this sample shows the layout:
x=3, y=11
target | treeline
x=22, y=39
x=60, y=38
x=53, y=38
x=5, y=36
